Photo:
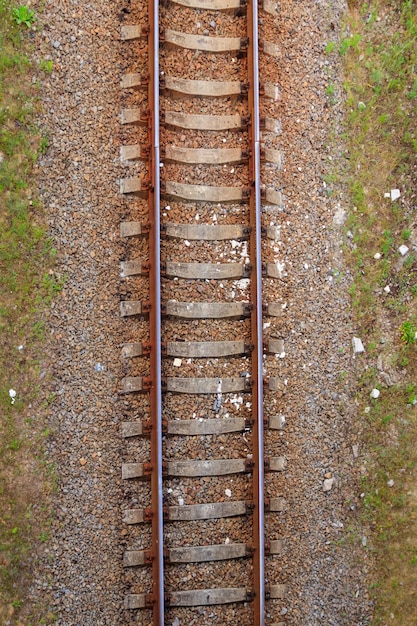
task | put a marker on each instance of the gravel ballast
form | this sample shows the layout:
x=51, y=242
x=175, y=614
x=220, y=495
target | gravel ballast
x=80, y=571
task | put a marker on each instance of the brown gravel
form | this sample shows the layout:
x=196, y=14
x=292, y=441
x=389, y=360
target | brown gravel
x=79, y=573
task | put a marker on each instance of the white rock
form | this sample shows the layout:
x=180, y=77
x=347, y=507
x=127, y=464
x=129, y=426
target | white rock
x=395, y=194
x=377, y=256
x=364, y=541
x=355, y=450
x=328, y=484
x=228, y=493
x=367, y=409
x=403, y=250
x=181, y=501
x=12, y=394
x=357, y=345
x=375, y=393
x=339, y=218
x=387, y=289
x=177, y=362
x=390, y=483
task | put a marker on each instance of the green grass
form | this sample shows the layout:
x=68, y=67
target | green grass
x=27, y=285
x=379, y=53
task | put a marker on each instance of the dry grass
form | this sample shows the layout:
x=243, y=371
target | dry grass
x=380, y=52
x=26, y=289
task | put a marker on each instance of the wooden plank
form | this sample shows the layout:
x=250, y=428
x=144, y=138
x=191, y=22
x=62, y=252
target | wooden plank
x=273, y=232
x=133, y=516
x=206, y=385
x=135, y=601
x=215, y=467
x=276, y=546
x=277, y=463
x=131, y=152
x=203, y=122
x=215, y=156
x=203, y=554
x=209, y=5
x=201, y=42
x=131, y=185
x=276, y=346
x=273, y=156
x=209, y=271
x=207, y=597
x=132, y=470
x=206, y=232
x=272, y=49
x=271, y=91
x=270, y=6
x=204, y=349
x=277, y=592
x=206, y=88
x=132, y=384
x=277, y=505
x=274, y=270
x=133, y=558
x=130, y=116
x=204, y=193
x=130, y=229
x=276, y=422
x=273, y=197
x=273, y=126
x=132, y=429
x=206, y=426
x=130, y=268
x=130, y=307
x=206, y=310
x=131, y=350
x=130, y=32
x=131, y=81
x=213, y=510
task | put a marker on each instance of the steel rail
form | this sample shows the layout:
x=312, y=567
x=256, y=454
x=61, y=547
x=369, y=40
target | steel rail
x=155, y=323
x=256, y=321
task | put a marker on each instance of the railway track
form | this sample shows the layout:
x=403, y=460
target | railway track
x=205, y=164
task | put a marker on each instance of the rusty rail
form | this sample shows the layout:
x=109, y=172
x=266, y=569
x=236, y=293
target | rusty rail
x=155, y=323
x=256, y=321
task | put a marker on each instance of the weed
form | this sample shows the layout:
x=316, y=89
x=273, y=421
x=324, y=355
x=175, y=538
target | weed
x=330, y=47
x=411, y=393
x=406, y=234
x=43, y=145
x=24, y=15
x=409, y=332
x=46, y=66
x=349, y=43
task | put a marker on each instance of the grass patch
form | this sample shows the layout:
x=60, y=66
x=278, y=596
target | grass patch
x=379, y=51
x=27, y=285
